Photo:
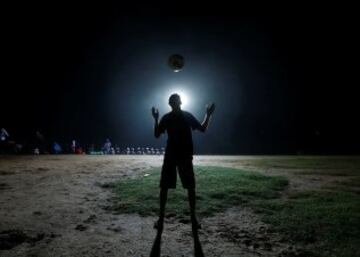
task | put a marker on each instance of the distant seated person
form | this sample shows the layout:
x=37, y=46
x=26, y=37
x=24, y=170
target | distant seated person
x=57, y=148
x=73, y=146
x=112, y=150
x=36, y=151
x=107, y=146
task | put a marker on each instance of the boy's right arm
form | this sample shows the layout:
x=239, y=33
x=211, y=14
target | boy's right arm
x=209, y=111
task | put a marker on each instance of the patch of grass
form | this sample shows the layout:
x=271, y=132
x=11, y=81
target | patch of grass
x=329, y=171
x=217, y=189
x=326, y=165
x=350, y=184
x=326, y=222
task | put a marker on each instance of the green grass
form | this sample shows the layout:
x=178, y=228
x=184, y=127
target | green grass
x=323, y=222
x=217, y=189
x=311, y=165
x=352, y=182
x=326, y=222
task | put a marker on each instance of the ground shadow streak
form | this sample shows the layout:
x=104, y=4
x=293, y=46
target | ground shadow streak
x=197, y=245
x=155, y=250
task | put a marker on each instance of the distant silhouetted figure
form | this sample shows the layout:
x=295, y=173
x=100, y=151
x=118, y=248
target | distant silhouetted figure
x=179, y=152
x=4, y=138
x=73, y=146
x=40, y=142
x=107, y=146
x=4, y=135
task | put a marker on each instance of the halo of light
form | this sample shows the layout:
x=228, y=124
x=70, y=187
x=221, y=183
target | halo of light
x=185, y=99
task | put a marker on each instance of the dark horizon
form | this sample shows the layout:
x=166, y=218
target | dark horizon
x=282, y=78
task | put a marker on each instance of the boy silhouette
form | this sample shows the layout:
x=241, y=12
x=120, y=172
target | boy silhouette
x=179, y=152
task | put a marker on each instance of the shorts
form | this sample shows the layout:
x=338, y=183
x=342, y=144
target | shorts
x=169, y=175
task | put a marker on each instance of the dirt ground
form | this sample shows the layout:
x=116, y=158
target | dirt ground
x=54, y=206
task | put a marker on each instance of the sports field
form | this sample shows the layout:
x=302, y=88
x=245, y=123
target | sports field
x=71, y=205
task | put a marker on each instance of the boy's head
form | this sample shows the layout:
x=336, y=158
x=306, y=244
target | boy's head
x=175, y=101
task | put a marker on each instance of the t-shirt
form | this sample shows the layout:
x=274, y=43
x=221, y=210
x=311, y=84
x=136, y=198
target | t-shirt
x=178, y=125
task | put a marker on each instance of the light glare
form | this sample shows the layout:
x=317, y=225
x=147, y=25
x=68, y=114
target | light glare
x=184, y=99
x=183, y=95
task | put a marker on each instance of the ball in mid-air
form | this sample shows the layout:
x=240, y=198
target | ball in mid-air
x=176, y=62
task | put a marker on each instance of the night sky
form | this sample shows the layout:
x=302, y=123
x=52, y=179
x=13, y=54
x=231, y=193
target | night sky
x=282, y=77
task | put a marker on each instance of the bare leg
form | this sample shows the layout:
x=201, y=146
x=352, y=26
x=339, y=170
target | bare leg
x=163, y=198
x=192, y=202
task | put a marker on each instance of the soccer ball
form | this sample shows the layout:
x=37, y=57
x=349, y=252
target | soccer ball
x=176, y=62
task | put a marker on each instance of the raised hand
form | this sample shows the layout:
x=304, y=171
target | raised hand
x=155, y=113
x=210, y=108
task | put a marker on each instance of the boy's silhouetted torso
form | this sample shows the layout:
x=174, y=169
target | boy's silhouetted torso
x=178, y=125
